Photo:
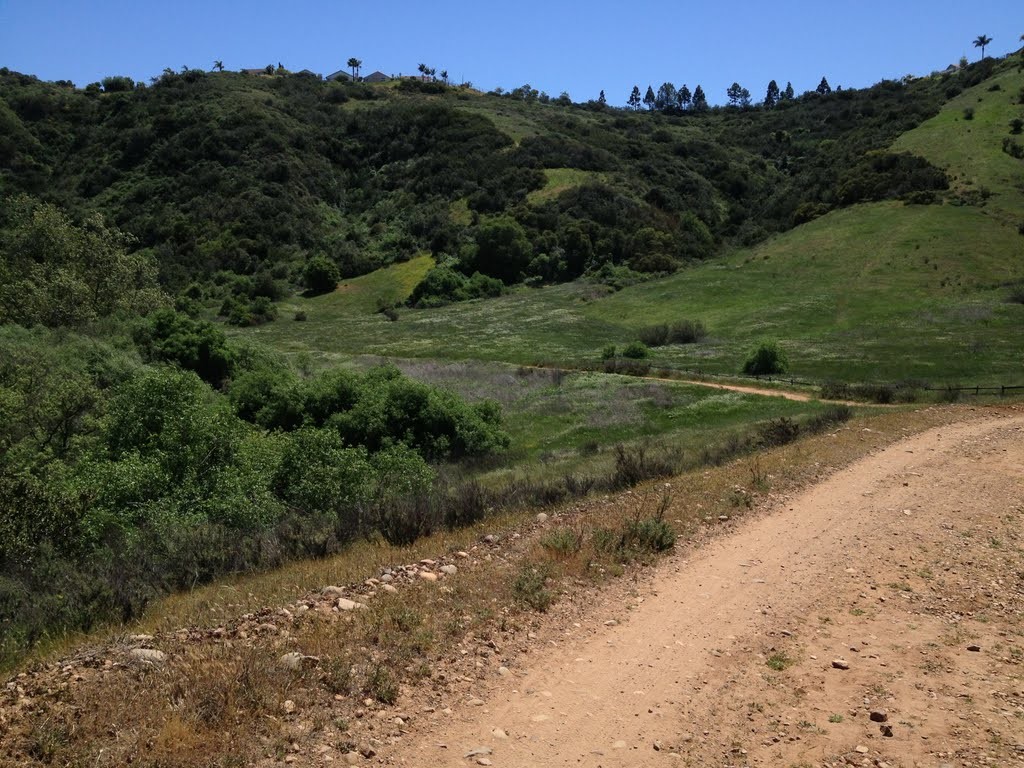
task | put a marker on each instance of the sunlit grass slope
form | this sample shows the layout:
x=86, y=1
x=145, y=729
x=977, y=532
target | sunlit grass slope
x=876, y=292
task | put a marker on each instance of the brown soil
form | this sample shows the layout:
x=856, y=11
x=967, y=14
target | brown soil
x=906, y=567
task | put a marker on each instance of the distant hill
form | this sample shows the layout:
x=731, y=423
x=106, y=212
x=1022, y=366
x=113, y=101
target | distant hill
x=255, y=175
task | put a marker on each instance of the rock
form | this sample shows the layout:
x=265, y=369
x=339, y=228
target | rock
x=428, y=576
x=292, y=661
x=428, y=561
x=611, y=623
x=288, y=707
x=391, y=588
x=879, y=716
x=974, y=648
x=619, y=744
x=352, y=758
x=657, y=746
x=840, y=664
x=476, y=702
x=483, y=761
x=332, y=592
x=462, y=555
x=478, y=752
x=860, y=749
x=148, y=657
x=344, y=604
x=542, y=517
x=367, y=751
x=387, y=578
x=450, y=570
x=498, y=733
x=504, y=671
x=490, y=538
x=886, y=730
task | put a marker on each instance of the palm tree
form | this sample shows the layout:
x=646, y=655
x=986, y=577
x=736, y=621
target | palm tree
x=218, y=65
x=444, y=76
x=424, y=69
x=981, y=41
x=354, y=64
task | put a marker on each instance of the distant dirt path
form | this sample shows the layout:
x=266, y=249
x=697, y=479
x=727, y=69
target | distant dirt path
x=896, y=564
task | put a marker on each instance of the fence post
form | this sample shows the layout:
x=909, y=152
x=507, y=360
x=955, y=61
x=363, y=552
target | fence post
x=976, y=390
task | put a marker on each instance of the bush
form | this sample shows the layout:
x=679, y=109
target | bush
x=968, y=113
x=320, y=275
x=530, y=586
x=829, y=418
x=778, y=432
x=766, y=360
x=1016, y=125
x=635, y=350
x=608, y=353
x=687, y=332
x=654, y=335
x=195, y=345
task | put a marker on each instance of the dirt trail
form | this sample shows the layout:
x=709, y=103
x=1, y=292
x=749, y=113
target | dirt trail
x=899, y=565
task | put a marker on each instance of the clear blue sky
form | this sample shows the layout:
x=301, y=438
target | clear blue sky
x=555, y=45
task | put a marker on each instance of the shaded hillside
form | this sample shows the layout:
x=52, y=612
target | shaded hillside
x=255, y=175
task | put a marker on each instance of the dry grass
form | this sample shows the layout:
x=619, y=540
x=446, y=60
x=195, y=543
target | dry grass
x=224, y=698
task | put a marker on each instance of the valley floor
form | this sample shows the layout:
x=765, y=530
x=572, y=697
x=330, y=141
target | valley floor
x=874, y=619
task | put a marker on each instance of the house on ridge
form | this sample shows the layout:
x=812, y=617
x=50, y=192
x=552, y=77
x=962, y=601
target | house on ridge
x=377, y=77
x=340, y=75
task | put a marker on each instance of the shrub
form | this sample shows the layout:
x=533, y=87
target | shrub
x=968, y=113
x=835, y=390
x=654, y=335
x=320, y=275
x=687, y=332
x=635, y=350
x=300, y=316
x=778, y=432
x=1012, y=148
x=562, y=541
x=530, y=586
x=829, y=418
x=608, y=353
x=195, y=345
x=1016, y=295
x=1016, y=125
x=766, y=360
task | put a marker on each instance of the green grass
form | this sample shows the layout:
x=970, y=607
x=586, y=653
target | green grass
x=560, y=180
x=971, y=150
x=871, y=293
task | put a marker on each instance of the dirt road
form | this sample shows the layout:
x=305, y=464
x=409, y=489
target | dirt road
x=886, y=600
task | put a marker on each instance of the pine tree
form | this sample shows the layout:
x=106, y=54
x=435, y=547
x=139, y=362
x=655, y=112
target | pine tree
x=683, y=97
x=649, y=98
x=666, y=97
x=634, y=98
x=824, y=88
x=771, y=98
x=789, y=94
x=733, y=92
x=700, y=101
x=601, y=98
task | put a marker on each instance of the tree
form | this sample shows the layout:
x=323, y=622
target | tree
x=649, y=98
x=700, y=101
x=789, y=94
x=354, y=64
x=823, y=87
x=503, y=251
x=745, y=98
x=320, y=275
x=422, y=70
x=981, y=41
x=218, y=65
x=683, y=97
x=734, y=92
x=634, y=98
x=666, y=98
x=772, y=96
x=444, y=76
x=601, y=98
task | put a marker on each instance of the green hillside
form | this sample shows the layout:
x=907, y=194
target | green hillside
x=876, y=292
